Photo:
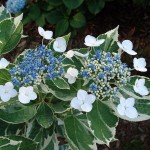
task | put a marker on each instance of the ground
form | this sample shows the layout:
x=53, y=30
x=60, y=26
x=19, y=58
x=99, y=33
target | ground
x=134, y=24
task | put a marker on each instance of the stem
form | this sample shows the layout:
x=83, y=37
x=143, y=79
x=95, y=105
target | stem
x=42, y=41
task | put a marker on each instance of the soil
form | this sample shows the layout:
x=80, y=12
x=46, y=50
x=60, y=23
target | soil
x=134, y=24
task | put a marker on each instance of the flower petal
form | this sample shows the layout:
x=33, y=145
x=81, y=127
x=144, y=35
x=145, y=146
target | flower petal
x=99, y=42
x=13, y=93
x=60, y=44
x=130, y=52
x=56, y=46
x=73, y=72
x=122, y=101
x=141, y=69
x=121, y=110
x=69, y=54
x=81, y=95
x=22, y=89
x=130, y=102
x=48, y=35
x=33, y=96
x=23, y=98
x=139, y=64
x=131, y=112
x=71, y=80
x=1, y=89
x=76, y=103
x=136, y=89
x=41, y=31
x=9, y=85
x=86, y=107
x=5, y=97
x=143, y=91
x=3, y=63
x=90, y=40
x=127, y=44
x=29, y=88
x=90, y=98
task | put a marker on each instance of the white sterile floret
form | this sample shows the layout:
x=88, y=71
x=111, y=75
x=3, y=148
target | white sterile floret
x=45, y=34
x=26, y=94
x=92, y=41
x=71, y=75
x=125, y=108
x=60, y=44
x=83, y=101
x=71, y=53
x=139, y=64
x=140, y=87
x=7, y=92
x=127, y=46
x=3, y=63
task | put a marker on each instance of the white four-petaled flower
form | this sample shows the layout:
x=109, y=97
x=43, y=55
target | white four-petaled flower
x=127, y=46
x=26, y=94
x=71, y=75
x=140, y=64
x=3, y=63
x=60, y=44
x=125, y=108
x=7, y=92
x=92, y=41
x=83, y=101
x=45, y=34
x=140, y=87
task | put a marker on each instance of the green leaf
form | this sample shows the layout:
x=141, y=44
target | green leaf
x=41, y=20
x=61, y=27
x=60, y=107
x=111, y=37
x=102, y=122
x=72, y=4
x=62, y=94
x=44, y=116
x=95, y=6
x=55, y=2
x=10, y=35
x=61, y=83
x=4, y=14
x=11, y=129
x=9, y=144
x=34, y=12
x=78, y=20
x=54, y=16
x=14, y=39
x=17, y=113
x=45, y=137
x=26, y=144
x=77, y=134
x=4, y=76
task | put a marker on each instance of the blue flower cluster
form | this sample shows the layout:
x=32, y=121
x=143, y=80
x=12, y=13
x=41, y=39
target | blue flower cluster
x=14, y=6
x=107, y=72
x=36, y=66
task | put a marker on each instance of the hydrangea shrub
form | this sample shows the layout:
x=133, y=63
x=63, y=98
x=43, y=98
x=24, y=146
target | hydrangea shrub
x=53, y=99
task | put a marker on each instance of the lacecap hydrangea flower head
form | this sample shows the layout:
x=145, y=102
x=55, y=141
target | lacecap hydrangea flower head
x=15, y=6
x=106, y=72
x=36, y=66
